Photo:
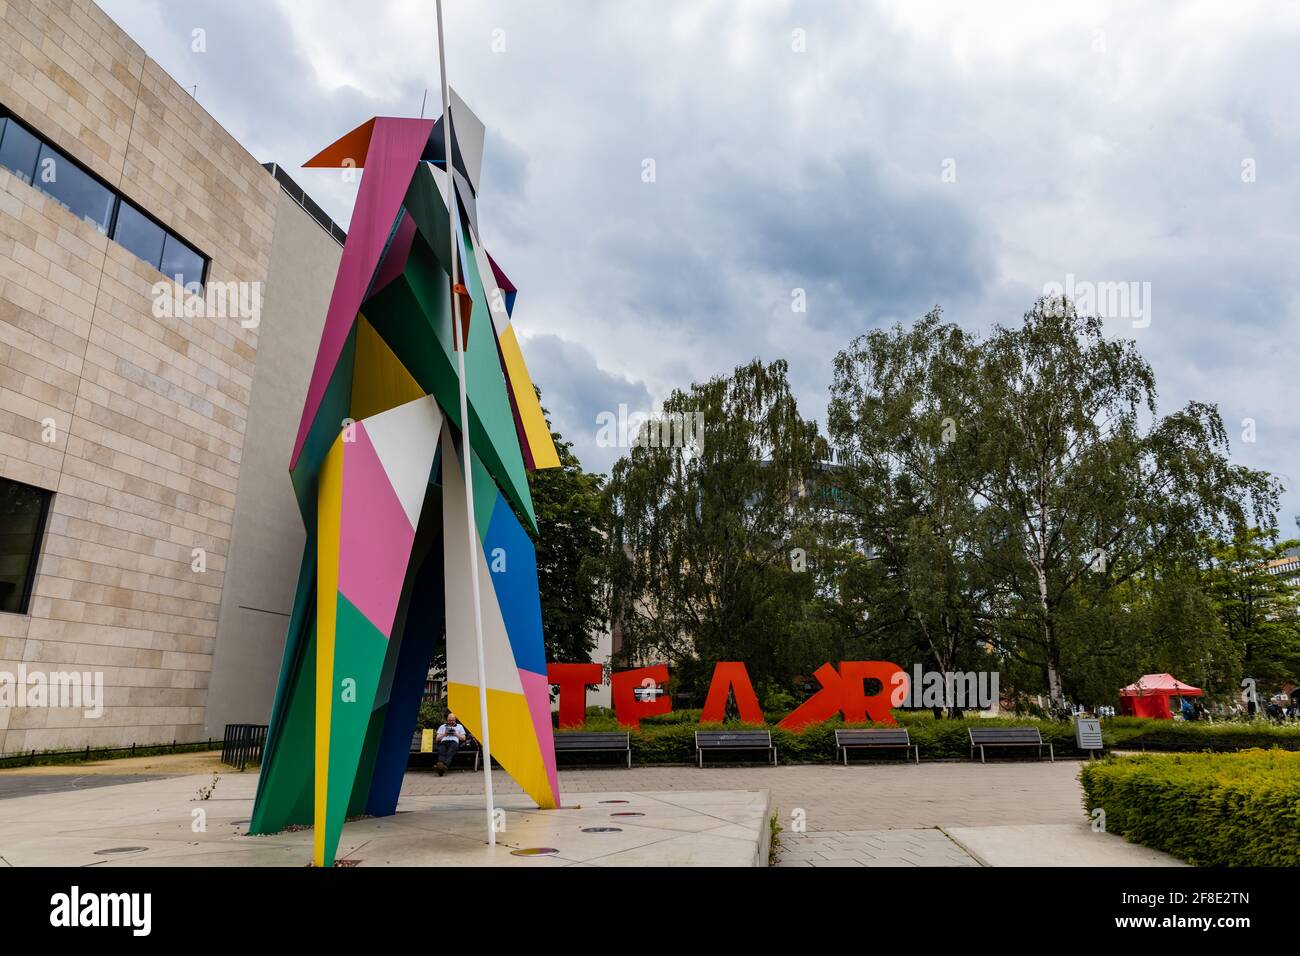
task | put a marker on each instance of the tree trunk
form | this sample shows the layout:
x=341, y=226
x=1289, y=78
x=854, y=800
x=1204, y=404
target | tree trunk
x=1055, y=693
x=1051, y=653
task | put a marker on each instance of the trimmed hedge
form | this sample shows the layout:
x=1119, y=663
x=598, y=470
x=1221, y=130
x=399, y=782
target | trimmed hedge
x=670, y=738
x=1141, y=733
x=1239, y=809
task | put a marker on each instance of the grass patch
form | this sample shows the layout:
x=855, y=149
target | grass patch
x=45, y=758
x=774, y=846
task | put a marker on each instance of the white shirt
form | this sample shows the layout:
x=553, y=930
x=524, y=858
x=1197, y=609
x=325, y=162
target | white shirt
x=458, y=730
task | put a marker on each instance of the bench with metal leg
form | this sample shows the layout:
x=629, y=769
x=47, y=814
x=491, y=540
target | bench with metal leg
x=469, y=748
x=594, y=742
x=873, y=738
x=981, y=737
x=751, y=740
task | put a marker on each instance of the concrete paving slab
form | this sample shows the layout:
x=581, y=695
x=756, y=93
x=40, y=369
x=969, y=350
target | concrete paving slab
x=707, y=828
x=1013, y=813
x=28, y=784
x=1069, y=844
x=908, y=846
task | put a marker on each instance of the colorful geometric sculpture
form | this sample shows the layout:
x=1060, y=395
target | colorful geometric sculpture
x=377, y=468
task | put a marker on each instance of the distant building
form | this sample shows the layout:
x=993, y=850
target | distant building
x=1287, y=566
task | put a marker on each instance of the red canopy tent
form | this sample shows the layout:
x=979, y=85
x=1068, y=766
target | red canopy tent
x=1149, y=695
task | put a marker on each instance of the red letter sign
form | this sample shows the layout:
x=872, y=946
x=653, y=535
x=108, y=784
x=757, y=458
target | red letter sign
x=858, y=706
x=572, y=680
x=623, y=687
x=842, y=692
x=731, y=675
x=822, y=705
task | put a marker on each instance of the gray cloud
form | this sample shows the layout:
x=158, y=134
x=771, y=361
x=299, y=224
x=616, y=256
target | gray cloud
x=1104, y=143
x=578, y=390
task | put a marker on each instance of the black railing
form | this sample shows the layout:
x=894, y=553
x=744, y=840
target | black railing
x=298, y=195
x=242, y=744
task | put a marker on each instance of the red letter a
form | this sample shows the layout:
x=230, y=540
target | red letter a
x=731, y=676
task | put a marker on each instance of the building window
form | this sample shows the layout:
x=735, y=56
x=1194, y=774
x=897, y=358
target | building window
x=73, y=189
x=23, y=510
x=44, y=167
x=18, y=151
x=139, y=234
x=181, y=263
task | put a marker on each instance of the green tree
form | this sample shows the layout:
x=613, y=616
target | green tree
x=570, y=548
x=1083, y=474
x=1021, y=482
x=896, y=398
x=1257, y=605
x=1160, y=621
x=701, y=537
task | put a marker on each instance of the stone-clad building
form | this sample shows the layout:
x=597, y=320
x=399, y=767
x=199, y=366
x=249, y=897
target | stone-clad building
x=148, y=532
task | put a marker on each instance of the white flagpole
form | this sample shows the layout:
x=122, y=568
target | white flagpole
x=466, y=449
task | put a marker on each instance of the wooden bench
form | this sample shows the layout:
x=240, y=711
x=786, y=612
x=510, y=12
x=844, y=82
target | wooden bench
x=583, y=742
x=982, y=737
x=875, y=737
x=733, y=740
x=470, y=746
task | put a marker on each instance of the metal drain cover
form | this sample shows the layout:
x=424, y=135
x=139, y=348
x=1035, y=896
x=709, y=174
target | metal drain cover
x=602, y=829
x=627, y=813
x=120, y=849
x=535, y=851
x=611, y=801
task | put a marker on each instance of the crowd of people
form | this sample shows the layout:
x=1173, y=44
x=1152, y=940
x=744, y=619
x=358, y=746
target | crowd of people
x=1278, y=709
x=1287, y=708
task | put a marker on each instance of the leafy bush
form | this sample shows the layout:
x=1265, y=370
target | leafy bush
x=432, y=713
x=1240, y=809
x=673, y=717
x=948, y=738
x=1141, y=733
x=674, y=743
x=596, y=722
x=670, y=738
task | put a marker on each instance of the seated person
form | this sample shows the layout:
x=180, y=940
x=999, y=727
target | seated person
x=450, y=736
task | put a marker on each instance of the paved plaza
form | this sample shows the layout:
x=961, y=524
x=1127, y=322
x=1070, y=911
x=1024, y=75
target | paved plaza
x=154, y=823
x=949, y=813
x=932, y=814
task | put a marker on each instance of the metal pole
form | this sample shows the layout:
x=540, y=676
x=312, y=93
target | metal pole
x=466, y=448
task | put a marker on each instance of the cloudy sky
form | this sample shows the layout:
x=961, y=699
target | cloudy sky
x=882, y=157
